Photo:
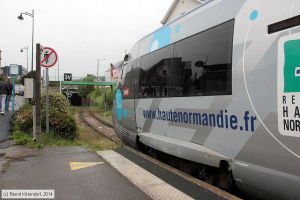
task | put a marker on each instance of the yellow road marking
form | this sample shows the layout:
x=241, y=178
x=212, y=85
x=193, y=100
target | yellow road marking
x=80, y=165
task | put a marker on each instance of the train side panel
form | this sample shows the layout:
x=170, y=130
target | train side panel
x=210, y=87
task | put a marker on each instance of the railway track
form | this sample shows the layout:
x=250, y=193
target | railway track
x=98, y=124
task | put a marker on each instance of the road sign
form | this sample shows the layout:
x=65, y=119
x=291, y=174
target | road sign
x=14, y=69
x=69, y=94
x=48, y=57
x=67, y=77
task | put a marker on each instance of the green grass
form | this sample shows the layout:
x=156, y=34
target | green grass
x=44, y=140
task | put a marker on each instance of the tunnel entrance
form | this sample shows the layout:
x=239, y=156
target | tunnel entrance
x=75, y=99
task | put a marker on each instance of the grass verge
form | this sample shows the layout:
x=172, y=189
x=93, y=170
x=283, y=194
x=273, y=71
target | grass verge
x=44, y=140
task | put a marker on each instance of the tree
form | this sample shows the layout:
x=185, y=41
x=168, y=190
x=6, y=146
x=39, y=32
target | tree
x=84, y=90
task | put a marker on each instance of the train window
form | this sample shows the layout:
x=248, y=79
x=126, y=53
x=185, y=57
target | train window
x=155, y=73
x=204, y=61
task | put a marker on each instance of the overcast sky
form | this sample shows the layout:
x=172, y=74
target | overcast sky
x=81, y=31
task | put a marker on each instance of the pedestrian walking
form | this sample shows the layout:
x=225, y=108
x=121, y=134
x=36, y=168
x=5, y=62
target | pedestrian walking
x=9, y=90
x=2, y=96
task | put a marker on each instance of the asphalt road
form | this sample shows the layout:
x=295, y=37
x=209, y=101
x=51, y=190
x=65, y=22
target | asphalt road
x=51, y=170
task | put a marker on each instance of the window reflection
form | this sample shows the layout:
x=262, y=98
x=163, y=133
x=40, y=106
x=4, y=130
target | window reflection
x=207, y=61
x=196, y=66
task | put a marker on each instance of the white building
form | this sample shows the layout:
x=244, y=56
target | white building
x=180, y=7
x=111, y=74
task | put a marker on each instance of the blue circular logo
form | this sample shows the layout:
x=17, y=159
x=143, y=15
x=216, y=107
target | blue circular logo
x=253, y=16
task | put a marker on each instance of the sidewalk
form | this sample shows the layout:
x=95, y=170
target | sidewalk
x=4, y=120
x=5, y=126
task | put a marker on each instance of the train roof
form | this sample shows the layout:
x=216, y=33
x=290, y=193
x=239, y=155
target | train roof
x=203, y=3
x=187, y=25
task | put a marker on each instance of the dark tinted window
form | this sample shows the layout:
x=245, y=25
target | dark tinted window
x=155, y=75
x=204, y=62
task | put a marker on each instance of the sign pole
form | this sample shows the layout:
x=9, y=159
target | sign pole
x=14, y=71
x=49, y=58
x=13, y=94
x=59, y=87
x=47, y=100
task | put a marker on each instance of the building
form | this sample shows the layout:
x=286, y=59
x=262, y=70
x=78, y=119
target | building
x=5, y=71
x=112, y=74
x=180, y=7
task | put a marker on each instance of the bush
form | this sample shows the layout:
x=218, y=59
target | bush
x=63, y=125
x=98, y=97
x=57, y=102
x=61, y=120
x=23, y=119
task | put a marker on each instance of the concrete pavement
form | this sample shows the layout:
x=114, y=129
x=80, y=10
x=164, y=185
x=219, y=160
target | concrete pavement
x=51, y=169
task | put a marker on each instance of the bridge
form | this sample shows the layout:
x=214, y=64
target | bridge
x=89, y=83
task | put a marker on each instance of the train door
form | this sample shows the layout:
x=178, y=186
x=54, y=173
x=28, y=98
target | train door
x=127, y=89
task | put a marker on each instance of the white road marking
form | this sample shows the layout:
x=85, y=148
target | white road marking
x=153, y=186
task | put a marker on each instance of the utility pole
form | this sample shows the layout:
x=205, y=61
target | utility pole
x=0, y=58
x=98, y=68
x=58, y=74
x=1, y=71
x=38, y=90
x=98, y=71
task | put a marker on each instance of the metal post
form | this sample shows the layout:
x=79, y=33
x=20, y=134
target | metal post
x=13, y=94
x=27, y=58
x=38, y=90
x=47, y=100
x=98, y=71
x=58, y=75
x=34, y=122
x=0, y=58
x=60, y=87
x=98, y=68
x=58, y=66
x=32, y=40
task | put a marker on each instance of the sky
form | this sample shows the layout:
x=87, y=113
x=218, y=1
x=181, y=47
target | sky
x=80, y=31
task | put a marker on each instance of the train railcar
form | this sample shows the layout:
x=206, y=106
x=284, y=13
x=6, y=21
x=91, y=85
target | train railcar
x=221, y=84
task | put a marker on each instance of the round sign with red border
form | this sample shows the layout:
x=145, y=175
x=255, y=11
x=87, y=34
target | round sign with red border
x=48, y=57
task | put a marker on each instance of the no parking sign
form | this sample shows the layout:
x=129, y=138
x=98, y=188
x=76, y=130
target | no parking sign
x=48, y=57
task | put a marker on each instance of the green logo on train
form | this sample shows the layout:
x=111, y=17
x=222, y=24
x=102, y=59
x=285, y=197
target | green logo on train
x=292, y=66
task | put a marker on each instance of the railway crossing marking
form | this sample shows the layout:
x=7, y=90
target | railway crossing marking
x=80, y=165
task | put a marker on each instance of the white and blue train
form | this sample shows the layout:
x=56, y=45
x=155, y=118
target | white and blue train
x=220, y=86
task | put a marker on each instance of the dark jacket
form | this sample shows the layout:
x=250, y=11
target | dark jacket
x=9, y=88
x=3, y=89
